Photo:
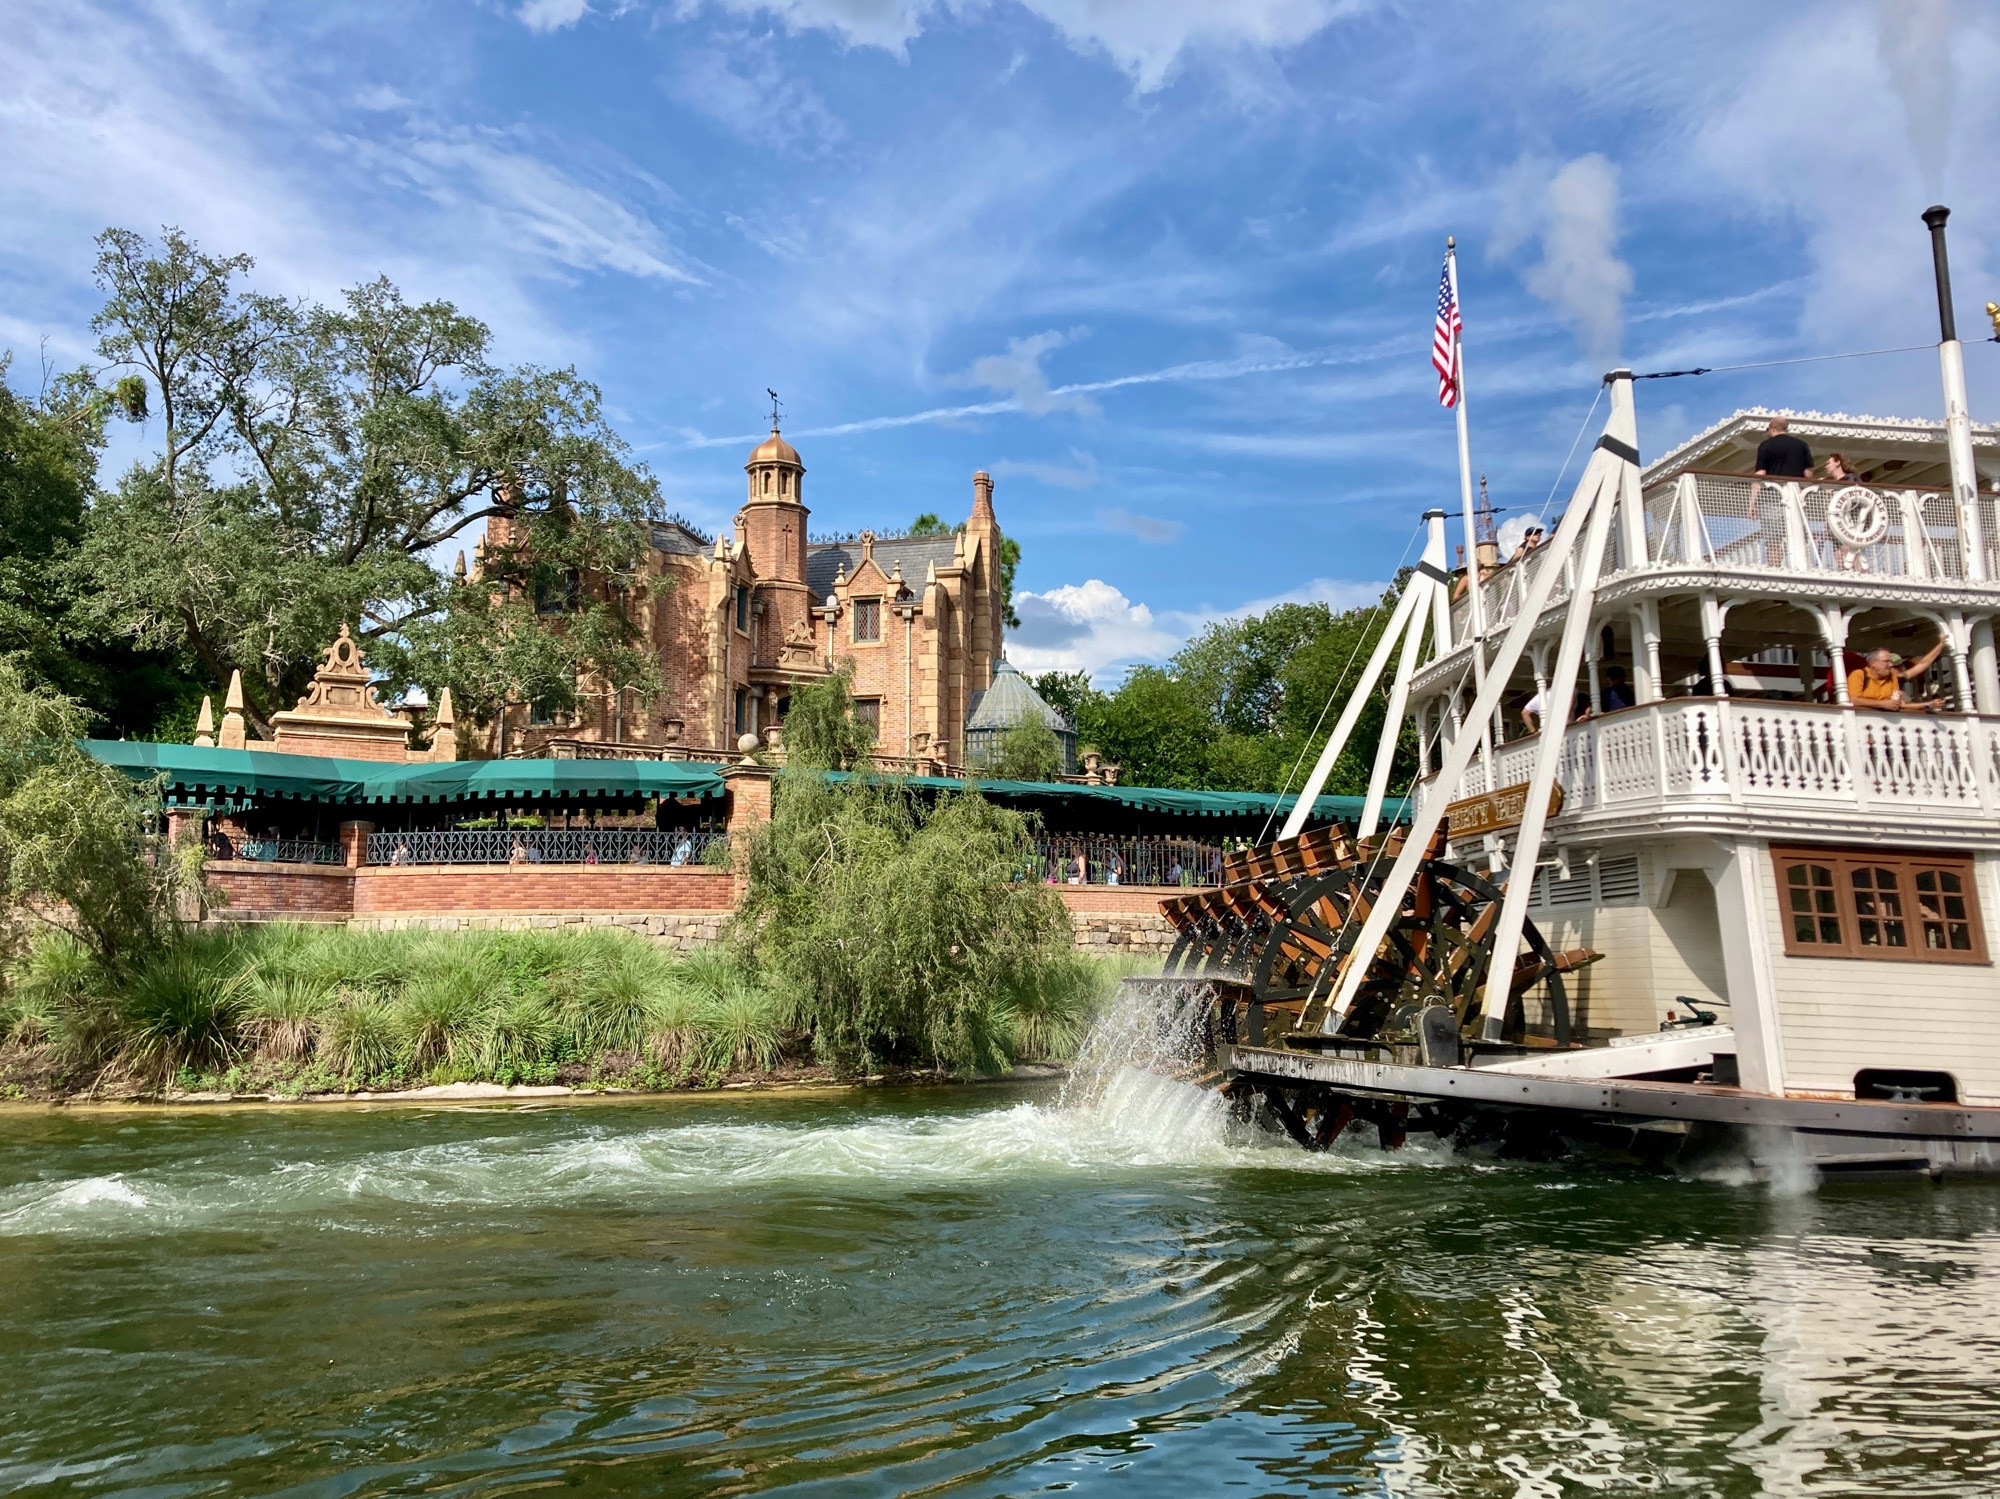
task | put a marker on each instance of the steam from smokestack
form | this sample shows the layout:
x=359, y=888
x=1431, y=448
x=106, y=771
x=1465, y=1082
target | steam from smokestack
x=1916, y=44
x=1574, y=216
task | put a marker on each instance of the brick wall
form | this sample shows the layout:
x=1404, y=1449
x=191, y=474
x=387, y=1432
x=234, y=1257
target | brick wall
x=290, y=892
x=427, y=889
x=1120, y=918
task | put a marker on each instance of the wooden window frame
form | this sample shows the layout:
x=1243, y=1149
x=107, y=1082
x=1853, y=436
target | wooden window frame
x=872, y=608
x=1849, y=905
x=868, y=710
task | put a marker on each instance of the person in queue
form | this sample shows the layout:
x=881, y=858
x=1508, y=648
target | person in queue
x=1615, y=691
x=1878, y=681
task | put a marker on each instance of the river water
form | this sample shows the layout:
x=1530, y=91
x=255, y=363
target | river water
x=979, y=1291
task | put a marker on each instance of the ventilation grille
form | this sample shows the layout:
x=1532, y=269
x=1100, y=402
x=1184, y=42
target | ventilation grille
x=1618, y=881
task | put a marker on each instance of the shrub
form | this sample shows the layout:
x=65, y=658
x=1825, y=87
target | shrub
x=282, y=1013
x=617, y=1001
x=181, y=1010
x=519, y=1034
x=1047, y=1009
x=441, y=1014
x=892, y=927
x=741, y=1028
x=359, y=1036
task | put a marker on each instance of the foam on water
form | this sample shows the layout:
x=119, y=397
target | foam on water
x=1114, y=1115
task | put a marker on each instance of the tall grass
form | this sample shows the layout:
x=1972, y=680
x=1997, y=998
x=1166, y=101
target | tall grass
x=344, y=1009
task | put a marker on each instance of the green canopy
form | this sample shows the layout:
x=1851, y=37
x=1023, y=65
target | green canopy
x=471, y=780
x=199, y=773
x=196, y=773
x=202, y=773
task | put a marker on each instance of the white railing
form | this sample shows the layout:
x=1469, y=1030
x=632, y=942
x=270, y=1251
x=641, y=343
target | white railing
x=1741, y=522
x=1753, y=754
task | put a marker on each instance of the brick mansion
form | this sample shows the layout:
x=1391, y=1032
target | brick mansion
x=737, y=620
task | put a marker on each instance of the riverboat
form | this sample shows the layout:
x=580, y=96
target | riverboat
x=1692, y=871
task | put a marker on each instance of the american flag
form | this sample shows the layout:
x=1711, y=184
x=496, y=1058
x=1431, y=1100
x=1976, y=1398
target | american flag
x=1444, y=340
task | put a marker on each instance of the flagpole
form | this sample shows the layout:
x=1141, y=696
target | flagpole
x=1474, y=590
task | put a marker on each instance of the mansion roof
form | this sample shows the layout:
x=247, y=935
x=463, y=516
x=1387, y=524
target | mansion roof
x=826, y=559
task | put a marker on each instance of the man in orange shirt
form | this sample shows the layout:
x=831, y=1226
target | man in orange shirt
x=1879, y=683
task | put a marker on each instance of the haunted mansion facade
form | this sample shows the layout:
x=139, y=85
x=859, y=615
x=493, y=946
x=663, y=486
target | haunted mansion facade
x=737, y=620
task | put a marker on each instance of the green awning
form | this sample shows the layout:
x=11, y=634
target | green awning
x=1176, y=803
x=193, y=772
x=474, y=780
x=202, y=773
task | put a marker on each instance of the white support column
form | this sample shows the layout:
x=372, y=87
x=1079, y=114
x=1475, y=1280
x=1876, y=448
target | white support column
x=1599, y=482
x=1407, y=609
x=1694, y=535
x=1621, y=490
x=1392, y=720
x=1713, y=614
x=1958, y=646
x=1985, y=668
x=1833, y=623
x=1916, y=541
x=1740, y=908
x=1798, y=540
x=1591, y=650
x=1958, y=444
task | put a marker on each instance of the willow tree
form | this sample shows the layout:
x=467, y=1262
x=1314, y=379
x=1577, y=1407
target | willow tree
x=314, y=462
x=901, y=927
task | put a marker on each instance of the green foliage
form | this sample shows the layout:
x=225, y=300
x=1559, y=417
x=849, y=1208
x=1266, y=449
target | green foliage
x=282, y=1014
x=1029, y=751
x=313, y=458
x=74, y=850
x=928, y=524
x=181, y=1010
x=1242, y=705
x=359, y=1037
x=895, y=928
x=821, y=729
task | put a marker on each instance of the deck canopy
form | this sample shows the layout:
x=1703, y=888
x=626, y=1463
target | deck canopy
x=201, y=775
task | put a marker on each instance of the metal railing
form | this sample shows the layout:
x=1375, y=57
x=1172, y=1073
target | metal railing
x=1763, y=755
x=287, y=851
x=1127, y=861
x=691, y=847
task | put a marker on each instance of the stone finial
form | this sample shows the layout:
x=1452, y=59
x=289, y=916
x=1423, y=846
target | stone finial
x=867, y=546
x=721, y=550
x=444, y=731
x=958, y=548
x=233, y=734
x=840, y=576
x=204, y=726
x=896, y=572
x=930, y=574
x=458, y=567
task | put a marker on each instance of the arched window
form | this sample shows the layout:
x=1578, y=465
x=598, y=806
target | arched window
x=784, y=483
x=767, y=481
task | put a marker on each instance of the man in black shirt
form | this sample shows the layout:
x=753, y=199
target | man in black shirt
x=1779, y=456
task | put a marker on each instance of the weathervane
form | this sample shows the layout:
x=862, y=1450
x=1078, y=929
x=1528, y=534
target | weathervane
x=774, y=406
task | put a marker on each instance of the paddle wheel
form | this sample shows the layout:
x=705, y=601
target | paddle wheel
x=1276, y=936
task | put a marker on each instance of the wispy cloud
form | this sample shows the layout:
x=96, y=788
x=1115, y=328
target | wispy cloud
x=1079, y=473
x=1144, y=527
x=551, y=15
x=1019, y=375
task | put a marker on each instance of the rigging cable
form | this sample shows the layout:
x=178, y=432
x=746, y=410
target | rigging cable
x=1767, y=364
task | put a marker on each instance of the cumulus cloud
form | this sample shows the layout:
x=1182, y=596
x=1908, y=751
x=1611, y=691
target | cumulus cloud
x=1079, y=473
x=1572, y=215
x=1144, y=527
x=1084, y=627
x=1018, y=375
x=1144, y=39
x=551, y=15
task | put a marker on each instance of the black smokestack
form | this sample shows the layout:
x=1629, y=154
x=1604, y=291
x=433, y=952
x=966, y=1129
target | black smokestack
x=1941, y=263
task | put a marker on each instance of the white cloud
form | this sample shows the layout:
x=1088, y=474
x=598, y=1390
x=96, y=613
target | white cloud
x=1145, y=39
x=1019, y=376
x=744, y=91
x=1573, y=214
x=1144, y=527
x=552, y=15
x=1079, y=473
x=1084, y=627
x=1336, y=593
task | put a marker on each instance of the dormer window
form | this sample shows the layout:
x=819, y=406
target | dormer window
x=867, y=621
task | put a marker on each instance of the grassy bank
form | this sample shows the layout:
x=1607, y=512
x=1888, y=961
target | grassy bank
x=292, y=1010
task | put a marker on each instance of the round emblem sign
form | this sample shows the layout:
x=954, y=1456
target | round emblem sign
x=1857, y=517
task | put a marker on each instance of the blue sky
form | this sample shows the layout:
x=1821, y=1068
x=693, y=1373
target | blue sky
x=1165, y=267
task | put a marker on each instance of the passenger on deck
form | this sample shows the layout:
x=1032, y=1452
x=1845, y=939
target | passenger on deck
x=1532, y=711
x=1614, y=692
x=1879, y=683
x=1779, y=456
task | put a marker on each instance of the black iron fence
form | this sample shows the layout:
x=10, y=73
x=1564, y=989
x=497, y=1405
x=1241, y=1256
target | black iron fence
x=281, y=851
x=1127, y=861
x=674, y=847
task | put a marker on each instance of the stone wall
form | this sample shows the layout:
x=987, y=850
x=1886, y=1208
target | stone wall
x=680, y=930
x=1119, y=919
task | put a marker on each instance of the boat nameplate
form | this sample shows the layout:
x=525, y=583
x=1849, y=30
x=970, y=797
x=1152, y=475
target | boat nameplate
x=1495, y=811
